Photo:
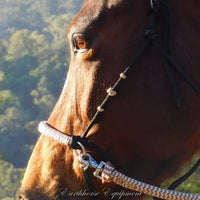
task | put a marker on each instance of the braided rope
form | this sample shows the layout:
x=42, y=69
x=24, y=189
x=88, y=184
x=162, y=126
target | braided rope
x=45, y=129
x=109, y=174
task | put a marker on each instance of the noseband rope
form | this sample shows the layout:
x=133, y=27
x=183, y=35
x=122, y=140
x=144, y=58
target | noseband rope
x=105, y=171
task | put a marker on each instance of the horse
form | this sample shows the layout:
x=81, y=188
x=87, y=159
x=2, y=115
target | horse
x=141, y=127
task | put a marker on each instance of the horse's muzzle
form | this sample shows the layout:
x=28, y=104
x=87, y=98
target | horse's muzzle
x=31, y=195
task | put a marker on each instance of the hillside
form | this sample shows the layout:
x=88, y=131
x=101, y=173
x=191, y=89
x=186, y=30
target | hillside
x=34, y=59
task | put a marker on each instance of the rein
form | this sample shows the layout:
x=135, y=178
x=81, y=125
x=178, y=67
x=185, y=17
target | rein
x=105, y=170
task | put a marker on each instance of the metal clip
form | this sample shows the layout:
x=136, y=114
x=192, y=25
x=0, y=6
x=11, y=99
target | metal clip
x=99, y=170
x=87, y=161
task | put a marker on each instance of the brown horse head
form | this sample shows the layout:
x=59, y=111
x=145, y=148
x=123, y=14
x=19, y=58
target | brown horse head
x=141, y=128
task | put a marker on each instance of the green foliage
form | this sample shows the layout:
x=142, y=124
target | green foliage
x=42, y=96
x=58, y=26
x=34, y=56
x=192, y=185
x=23, y=43
x=32, y=15
x=3, y=49
x=8, y=198
x=4, y=95
x=9, y=180
x=2, y=76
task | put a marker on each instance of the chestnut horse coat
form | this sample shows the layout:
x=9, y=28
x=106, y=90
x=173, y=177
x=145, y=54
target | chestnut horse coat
x=141, y=127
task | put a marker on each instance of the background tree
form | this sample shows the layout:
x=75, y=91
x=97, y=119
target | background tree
x=34, y=58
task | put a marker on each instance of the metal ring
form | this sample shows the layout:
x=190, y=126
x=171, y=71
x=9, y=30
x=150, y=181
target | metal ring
x=82, y=147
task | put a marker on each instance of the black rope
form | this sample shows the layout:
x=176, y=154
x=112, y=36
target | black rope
x=170, y=65
x=179, y=181
x=166, y=52
x=74, y=142
x=106, y=158
x=182, y=179
x=89, y=186
x=178, y=69
x=107, y=98
x=167, y=45
x=155, y=6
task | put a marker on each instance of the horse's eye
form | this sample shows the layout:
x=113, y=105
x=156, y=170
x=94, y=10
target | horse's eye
x=81, y=43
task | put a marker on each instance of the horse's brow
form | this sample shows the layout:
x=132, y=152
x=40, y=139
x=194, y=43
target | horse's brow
x=87, y=19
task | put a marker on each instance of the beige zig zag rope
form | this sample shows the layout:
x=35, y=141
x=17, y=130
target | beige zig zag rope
x=109, y=174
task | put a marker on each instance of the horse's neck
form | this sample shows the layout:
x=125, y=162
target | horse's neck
x=189, y=9
x=186, y=30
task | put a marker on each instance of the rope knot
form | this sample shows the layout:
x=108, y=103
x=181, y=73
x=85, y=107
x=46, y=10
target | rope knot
x=73, y=143
x=151, y=34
